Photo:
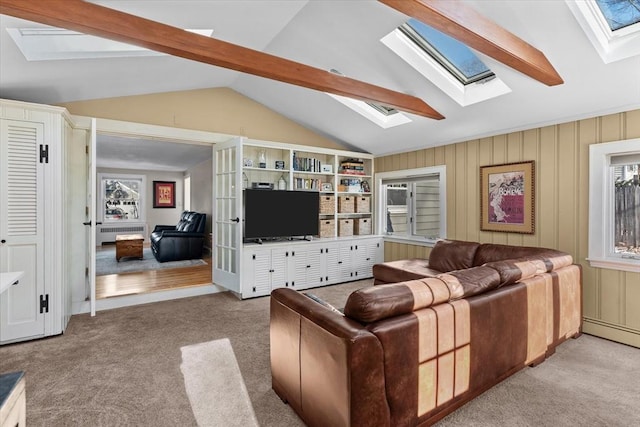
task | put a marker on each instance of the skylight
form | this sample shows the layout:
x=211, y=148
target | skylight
x=383, y=116
x=449, y=64
x=50, y=43
x=620, y=13
x=454, y=56
x=612, y=26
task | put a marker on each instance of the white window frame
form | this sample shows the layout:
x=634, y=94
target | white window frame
x=143, y=198
x=464, y=95
x=601, y=207
x=412, y=174
x=611, y=45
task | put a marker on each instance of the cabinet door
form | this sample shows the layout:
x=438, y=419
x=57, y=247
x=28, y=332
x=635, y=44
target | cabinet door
x=367, y=254
x=329, y=268
x=257, y=278
x=279, y=267
x=22, y=229
x=345, y=273
x=313, y=264
x=298, y=269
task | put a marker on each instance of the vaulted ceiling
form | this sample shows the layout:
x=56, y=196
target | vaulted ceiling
x=343, y=35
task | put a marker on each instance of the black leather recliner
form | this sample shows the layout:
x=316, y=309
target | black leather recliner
x=182, y=241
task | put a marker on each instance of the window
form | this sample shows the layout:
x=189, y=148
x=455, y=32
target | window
x=122, y=198
x=449, y=64
x=454, y=56
x=614, y=205
x=612, y=26
x=412, y=204
x=620, y=13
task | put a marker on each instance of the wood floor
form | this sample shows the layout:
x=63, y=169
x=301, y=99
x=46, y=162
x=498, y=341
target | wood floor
x=115, y=285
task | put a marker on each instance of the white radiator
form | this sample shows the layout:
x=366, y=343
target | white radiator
x=108, y=233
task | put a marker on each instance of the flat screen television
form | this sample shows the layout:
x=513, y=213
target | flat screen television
x=278, y=213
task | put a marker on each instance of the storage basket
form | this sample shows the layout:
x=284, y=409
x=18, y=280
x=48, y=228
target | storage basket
x=363, y=204
x=345, y=227
x=346, y=204
x=362, y=226
x=327, y=227
x=327, y=204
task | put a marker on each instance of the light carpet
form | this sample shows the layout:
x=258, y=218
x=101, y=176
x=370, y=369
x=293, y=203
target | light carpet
x=106, y=263
x=214, y=385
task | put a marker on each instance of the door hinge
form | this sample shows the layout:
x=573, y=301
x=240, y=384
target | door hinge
x=86, y=149
x=44, y=303
x=44, y=153
x=86, y=211
x=86, y=271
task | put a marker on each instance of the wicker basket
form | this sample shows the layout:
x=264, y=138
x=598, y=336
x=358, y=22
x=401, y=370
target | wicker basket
x=345, y=227
x=327, y=204
x=327, y=227
x=346, y=204
x=362, y=226
x=363, y=204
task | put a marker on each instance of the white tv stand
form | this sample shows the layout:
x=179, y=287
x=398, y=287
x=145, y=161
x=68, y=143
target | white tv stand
x=303, y=265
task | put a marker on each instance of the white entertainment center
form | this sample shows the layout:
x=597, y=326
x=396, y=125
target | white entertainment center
x=345, y=248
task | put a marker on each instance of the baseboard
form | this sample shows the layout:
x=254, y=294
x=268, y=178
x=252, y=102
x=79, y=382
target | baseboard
x=611, y=331
x=128, y=300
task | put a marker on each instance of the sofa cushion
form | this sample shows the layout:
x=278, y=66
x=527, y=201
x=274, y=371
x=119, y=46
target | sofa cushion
x=490, y=252
x=450, y=255
x=403, y=270
x=380, y=302
x=472, y=281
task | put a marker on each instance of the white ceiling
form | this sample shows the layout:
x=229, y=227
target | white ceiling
x=344, y=35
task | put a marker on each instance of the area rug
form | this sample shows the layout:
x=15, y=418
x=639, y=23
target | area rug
x=106, y=263
x=214, y=385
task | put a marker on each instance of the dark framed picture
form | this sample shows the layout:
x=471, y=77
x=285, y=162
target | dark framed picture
x=164, y=194
x=507, y=198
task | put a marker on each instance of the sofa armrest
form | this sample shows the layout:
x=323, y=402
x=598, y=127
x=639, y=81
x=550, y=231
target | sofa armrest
x=181, y=234
x=326, y=366
x=163, y=228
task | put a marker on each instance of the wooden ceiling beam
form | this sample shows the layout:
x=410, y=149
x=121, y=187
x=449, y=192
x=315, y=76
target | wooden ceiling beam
x=93, y=19
x=465, y=24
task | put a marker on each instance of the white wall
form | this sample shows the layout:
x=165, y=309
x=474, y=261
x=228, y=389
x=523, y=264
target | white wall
x=201, y=189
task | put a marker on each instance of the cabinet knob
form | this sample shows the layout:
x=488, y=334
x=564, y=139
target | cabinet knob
x=3, y=241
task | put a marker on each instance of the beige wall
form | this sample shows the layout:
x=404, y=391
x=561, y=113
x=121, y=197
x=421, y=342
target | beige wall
x=611, y=298
x=220, y=110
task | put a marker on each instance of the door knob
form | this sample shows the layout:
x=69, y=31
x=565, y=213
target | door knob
x=236, y=220
x=3, y=241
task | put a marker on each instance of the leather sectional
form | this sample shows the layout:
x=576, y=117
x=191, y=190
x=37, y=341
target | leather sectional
x=436, y=335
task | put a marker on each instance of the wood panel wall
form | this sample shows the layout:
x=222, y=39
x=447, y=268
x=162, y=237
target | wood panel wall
x=611, y=298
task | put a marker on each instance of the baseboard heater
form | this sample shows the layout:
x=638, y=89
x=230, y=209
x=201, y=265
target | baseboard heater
x=108, y=234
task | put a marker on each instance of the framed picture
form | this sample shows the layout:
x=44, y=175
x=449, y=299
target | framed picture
x=164, y=194
x=326, y=168
x=507, y=198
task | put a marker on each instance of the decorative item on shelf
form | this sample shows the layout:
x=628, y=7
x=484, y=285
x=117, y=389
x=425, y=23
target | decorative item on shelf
x=279, y=164
x=306, y=184
x=282, y=183
x=326, y=168
x=262, y=159
x=247, y=162
x=352, y=185
x=245, y=181
x=327, y=186
x=365, y=186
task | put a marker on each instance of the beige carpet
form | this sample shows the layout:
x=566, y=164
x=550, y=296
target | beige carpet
x=122, y=368
x=215, y=387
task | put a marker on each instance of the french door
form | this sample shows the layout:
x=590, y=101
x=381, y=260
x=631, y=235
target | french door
x=227, y=214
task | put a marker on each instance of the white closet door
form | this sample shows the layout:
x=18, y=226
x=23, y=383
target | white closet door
x=21, y=228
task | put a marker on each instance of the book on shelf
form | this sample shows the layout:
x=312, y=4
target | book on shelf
x=306, y=164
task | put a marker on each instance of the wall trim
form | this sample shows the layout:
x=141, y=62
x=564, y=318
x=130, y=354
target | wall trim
x=611, y=331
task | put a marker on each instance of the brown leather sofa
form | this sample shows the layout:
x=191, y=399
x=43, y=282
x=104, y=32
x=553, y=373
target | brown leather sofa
x=409, y=353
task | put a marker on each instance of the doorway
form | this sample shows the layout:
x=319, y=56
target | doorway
x=160, y=154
